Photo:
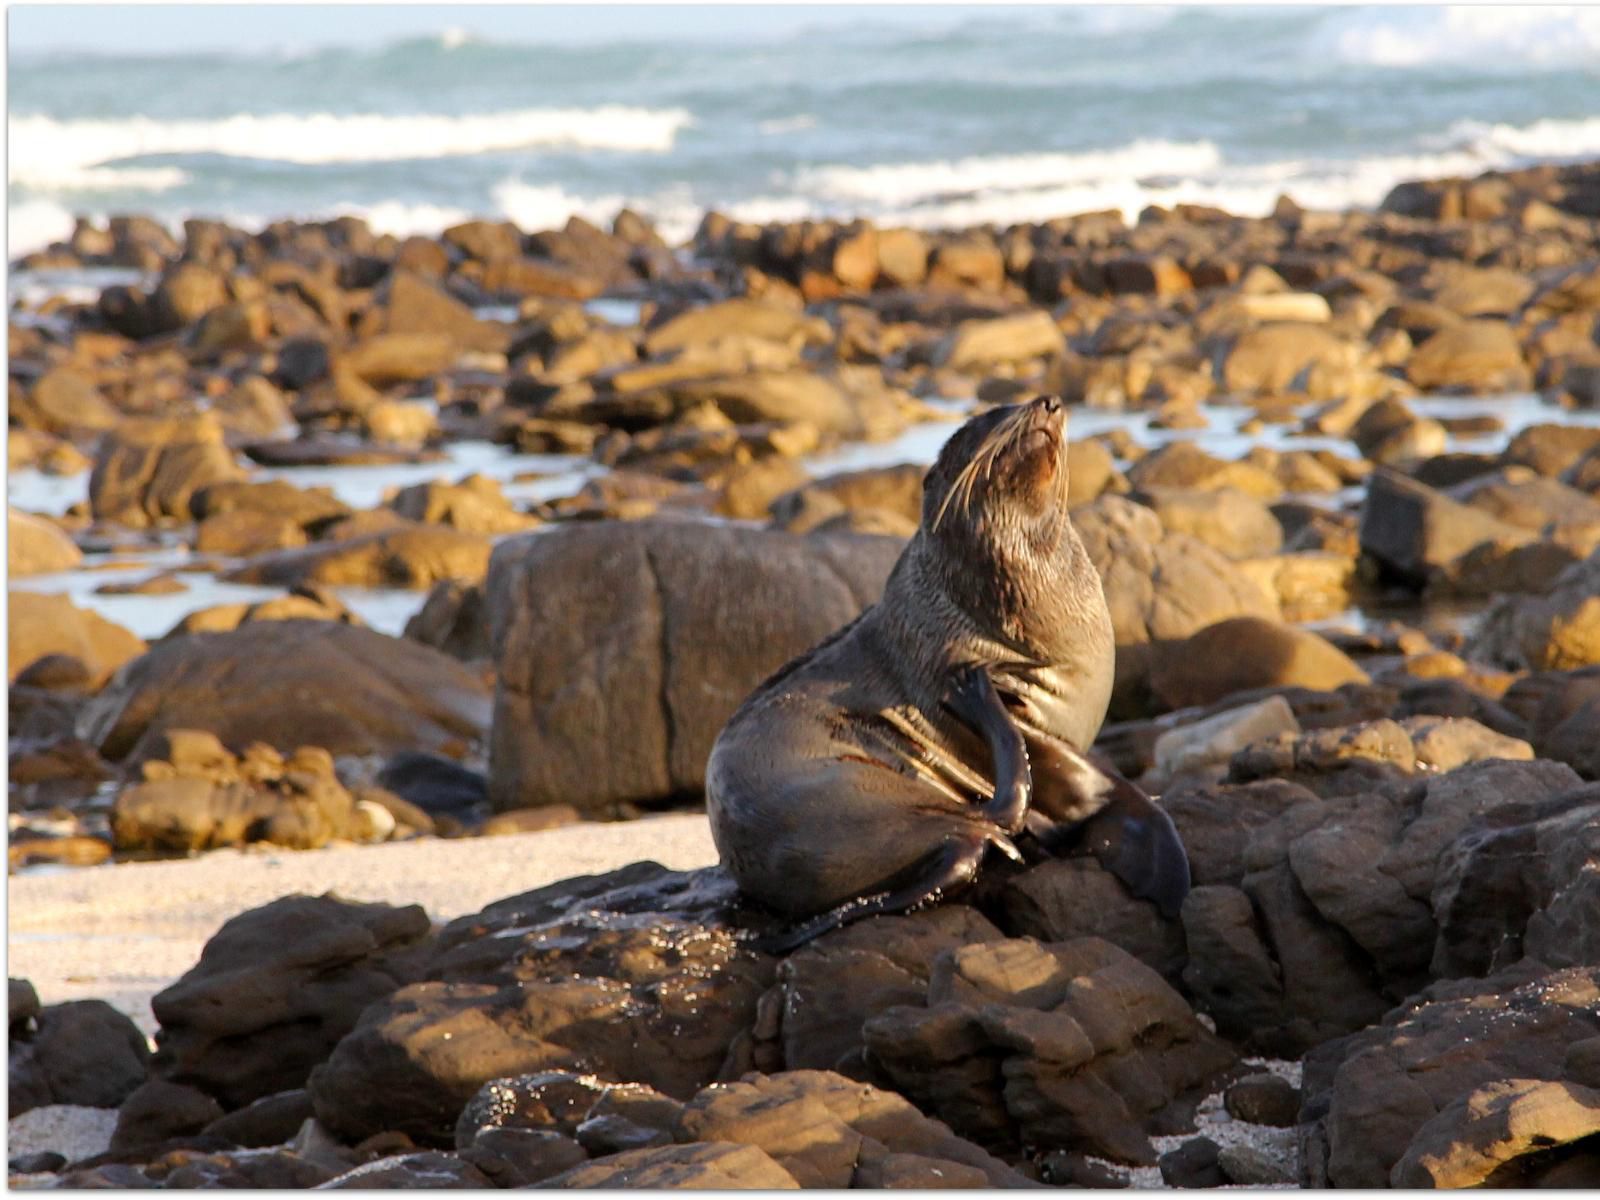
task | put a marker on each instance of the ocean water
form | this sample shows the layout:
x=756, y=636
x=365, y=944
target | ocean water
x=969, y=116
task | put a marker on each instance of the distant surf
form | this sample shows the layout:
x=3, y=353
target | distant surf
x=1014, y=115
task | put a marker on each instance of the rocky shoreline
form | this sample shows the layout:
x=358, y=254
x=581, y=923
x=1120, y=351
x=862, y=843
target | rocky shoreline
x=1393, y=821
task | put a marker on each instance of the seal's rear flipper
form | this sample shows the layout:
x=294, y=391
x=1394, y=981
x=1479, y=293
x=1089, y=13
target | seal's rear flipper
x=1134, y=839
x=951, y=866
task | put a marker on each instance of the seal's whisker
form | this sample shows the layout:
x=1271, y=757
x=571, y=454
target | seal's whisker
x=1000, y=438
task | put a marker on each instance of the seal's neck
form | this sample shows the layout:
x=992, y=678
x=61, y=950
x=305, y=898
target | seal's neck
x=1010, y=603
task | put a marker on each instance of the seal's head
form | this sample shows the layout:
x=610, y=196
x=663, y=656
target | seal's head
x=1002, y=477
x=996, y=539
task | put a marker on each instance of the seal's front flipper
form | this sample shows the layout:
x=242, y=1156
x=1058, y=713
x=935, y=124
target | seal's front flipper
x=950, y=866
x=1131, y=835
x=973, y=698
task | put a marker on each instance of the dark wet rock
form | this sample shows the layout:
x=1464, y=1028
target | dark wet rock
x=1371, y=1096
x=262, y=1169
x=522, y=1157
x=268, y=1121
x=1022, y=1043
x=434, y=784
x=1066, y=1169
x=1242, y=653
x=40, y=625
x=612, y=1134
x=1246, y=1166
x=1391, y=434
x=120, y=1176
x=697, y=1166
x=1337, y=914
x=158, y=1111
x=1219, y=822
x=1264, y=1099
x=1193, y=1165
x=148, y=469
x=563, y=1102
x=1420, y=535
x=1076, y=897
x=639, y=976
x=276, y=988
x=424, y=1169
x=82, y=1052
x=292, y=683
x=41, y=1162
x=453, y=619
x=812, y=1016
x=1516, y=881
x=828, y=1131
x=1557, y=631
x=636, y=724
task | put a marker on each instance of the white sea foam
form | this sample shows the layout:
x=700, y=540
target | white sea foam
x=901, y=184
x=792, y=124
x=1491, y=36
x=56, y=154
x=1549, y=138
x=33, y=224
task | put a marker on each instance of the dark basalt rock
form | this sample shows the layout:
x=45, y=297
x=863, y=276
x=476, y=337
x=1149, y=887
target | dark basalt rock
x=1073, y=1046
x=82, y=1052
x=1370, y=1097
x=642, y=975
x=277, y=987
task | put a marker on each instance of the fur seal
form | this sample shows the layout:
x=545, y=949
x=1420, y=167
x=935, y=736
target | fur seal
x=876, y=771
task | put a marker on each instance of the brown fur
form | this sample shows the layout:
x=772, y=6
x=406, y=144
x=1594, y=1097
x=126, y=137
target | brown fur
x=846, y=765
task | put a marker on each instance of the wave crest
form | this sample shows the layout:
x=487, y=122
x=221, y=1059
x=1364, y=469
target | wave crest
x=61, y=154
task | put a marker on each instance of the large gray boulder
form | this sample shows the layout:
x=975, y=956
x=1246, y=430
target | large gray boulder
x=624, y=647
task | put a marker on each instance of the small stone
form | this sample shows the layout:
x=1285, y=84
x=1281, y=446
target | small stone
x=39, y=1163
x=1077, y=1170
x=1192, y=1165
x=613, y=1134
x=1264, y=1099
x=1249, y=1166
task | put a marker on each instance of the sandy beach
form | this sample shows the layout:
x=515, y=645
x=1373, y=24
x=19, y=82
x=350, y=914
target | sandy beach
x=122, y=933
